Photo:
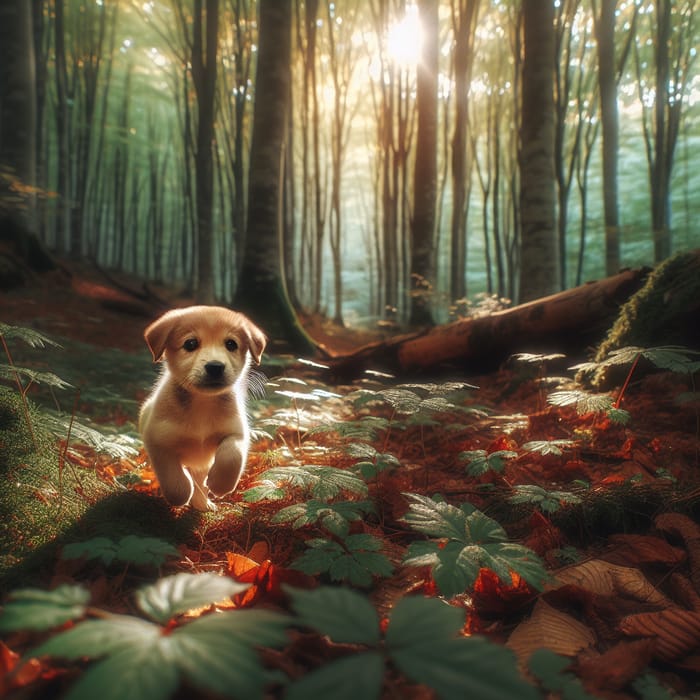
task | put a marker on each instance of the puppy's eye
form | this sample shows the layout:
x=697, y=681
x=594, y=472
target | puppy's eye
x=191, y=344
x=231, y=345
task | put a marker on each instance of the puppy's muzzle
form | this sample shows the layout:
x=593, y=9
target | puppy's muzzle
x=215, y=370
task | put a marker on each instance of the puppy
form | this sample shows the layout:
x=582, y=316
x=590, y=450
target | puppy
x=193, y=424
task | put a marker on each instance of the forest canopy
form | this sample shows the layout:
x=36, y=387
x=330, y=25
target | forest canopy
x=404, y=145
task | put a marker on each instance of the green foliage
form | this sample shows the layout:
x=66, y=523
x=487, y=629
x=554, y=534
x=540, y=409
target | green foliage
x=373, y=462
x=673, y=358
x=584, y=401
x=36, y=610
x=546, y=501
x=480, y=462
x=334, y=517
x=422, y=641
x=548, y=447
x=131, y=549
x=143, y=660
x=364, y=428
x=356, y=559
x=321, y=482
x=551, y=669
x=474, y=541
x=31, y=337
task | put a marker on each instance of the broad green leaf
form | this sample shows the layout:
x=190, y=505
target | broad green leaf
x=464, y=668
x=267, y=491
x=584, y=402
x=173, y=595
x=353, y=677
x=434, y=518
x=551, y=669
x=345, y=616
x=145, y=550
x=348, y=567
x=422, y=553
x=548, y=447
x=37, y=610
x=362, y=542
x=95, y=638
x=322, y=482
x=415, y=620
x=480, y=528
x=137, y=673
x=101, y=548
x=454, y=573
x=217, y=652
x=423, y=641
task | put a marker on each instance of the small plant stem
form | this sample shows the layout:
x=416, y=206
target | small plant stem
x=618, y=400
x=21, y=389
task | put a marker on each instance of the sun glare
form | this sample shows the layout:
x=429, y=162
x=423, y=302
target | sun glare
x=405, y=37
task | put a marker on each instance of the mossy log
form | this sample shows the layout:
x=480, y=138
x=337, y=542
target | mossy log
x=568, y=322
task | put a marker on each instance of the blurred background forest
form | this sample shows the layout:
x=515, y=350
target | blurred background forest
x=127, y=130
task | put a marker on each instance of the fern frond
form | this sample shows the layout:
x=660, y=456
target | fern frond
x=11, y=372
x=27, y=335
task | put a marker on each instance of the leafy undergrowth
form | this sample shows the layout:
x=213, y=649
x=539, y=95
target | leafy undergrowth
x=516, y=538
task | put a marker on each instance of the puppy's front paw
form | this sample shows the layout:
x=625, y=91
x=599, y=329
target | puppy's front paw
x=227, y=468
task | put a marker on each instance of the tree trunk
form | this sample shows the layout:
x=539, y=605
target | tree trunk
x=425, y=172
x=463, y=52
x=204, y=57
x=539, y=261
x=607, y=87
x=19, y=247
x=566, y=321
x=261, y=290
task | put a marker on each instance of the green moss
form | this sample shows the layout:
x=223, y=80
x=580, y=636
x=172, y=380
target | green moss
x=663, y=312
x=653, y=315
x=42, y=494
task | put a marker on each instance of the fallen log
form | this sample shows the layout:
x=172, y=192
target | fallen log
x=563, y=322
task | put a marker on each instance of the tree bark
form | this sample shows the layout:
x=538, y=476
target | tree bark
x=566, y=321
x=539, y=258
x=604, y=23
x=425, y=172
x=261, y=290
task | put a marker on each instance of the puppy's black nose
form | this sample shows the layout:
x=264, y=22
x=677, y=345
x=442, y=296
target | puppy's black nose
x=214, y=369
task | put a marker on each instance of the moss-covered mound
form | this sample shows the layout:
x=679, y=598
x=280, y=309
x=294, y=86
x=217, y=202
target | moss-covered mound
x=665, y=311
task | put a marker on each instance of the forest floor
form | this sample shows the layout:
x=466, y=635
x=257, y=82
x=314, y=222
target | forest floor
x=545, y=515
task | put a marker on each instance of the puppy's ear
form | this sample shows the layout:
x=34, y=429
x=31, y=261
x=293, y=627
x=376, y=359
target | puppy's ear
x=256, y=341
x=157, y=334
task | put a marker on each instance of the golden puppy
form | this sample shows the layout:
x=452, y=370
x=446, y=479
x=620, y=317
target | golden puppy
x=193, y=424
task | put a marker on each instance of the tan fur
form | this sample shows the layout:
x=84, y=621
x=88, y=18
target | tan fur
x=193, y=424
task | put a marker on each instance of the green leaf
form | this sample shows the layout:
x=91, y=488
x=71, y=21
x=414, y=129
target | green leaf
x=434, y=518
x=546, y=501
x=423, y=641
x=145, y=550
x=334, y=517
x=217, y=652
x=176, y=594
x=349, y=678
x=136, y=673
x=132, y=549
x=95, y=638
x=480, y=462
x=551, y=670
x=548, y=447
x=345, y=616
x=267, y=491
x=29, y=336
x=37, y=610
x=322, y=482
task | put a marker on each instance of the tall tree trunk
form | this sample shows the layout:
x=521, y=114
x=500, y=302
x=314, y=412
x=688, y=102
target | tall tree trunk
x=539, y=262
x=261, y=290
x=464, y=23
x=604, y=23
x=204, y=65
x=425, y=172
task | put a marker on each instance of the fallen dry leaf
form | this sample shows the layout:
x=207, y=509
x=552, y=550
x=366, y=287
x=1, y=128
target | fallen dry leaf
x=679, y=525
x=549, y=628
x=676, y=631
x=602, y=578
x=619, y=665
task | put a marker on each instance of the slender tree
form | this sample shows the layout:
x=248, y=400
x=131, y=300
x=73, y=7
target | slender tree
x=425, y=169
x=261, y=290
x=464, y=22
x=539, y=257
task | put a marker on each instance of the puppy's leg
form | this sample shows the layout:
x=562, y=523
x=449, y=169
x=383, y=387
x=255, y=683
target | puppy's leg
x=200, y=498
x=175, y=483
x=228, y=465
